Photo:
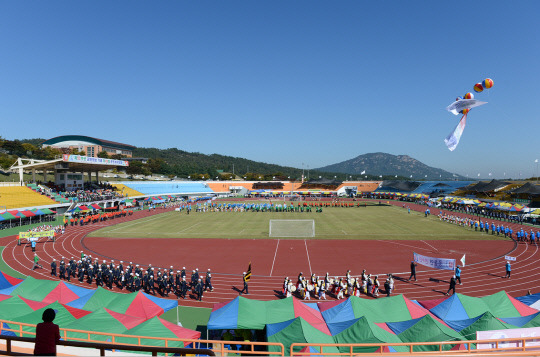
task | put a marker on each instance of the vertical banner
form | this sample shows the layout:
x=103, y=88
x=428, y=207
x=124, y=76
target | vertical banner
x=437, y=263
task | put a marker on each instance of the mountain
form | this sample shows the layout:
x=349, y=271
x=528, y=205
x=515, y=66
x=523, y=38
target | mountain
x=380, y=163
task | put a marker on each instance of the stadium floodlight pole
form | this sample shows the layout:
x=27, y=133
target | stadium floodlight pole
x=536, y=161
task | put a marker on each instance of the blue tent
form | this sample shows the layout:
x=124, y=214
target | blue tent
x=519, y=321
x=339, y=313
x=529, y=299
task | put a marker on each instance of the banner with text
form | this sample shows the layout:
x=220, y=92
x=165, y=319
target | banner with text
x=437, y=263
x=93, y=160
x=507, y=257
x=28, y=235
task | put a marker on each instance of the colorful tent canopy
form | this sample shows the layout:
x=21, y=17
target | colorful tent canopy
x=64, y=316
x=135, y=304
x=47, y=211
x=156, y=327
x=529, y=299
x=102, y=320
x=519, y=321
x=245, y=313
x=8, y=215
x=95, y=206
x=503, y=305
x=34, y=289
x=424, y=329
x=394, y=308
x=7, y=281
x=16, y=306
x=467, y=328
x=297, y=330
x=362, y=331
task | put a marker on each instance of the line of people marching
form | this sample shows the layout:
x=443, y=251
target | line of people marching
x=487, y=227
x=133, y=277
x=95, y=218
x=340, y=288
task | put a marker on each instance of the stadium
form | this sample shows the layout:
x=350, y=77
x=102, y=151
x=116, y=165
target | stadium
x=274, y=267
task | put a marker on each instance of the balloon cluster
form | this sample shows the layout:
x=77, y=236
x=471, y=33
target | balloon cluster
x=486, y=84
x=478, y=87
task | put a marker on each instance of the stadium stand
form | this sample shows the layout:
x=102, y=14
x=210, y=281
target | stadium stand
x=22, y=196
x=127, y=191
x=176, y=187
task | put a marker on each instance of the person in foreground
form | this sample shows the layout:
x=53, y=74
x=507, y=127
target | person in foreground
x=47, y=335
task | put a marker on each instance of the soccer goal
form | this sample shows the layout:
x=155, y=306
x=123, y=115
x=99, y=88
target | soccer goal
x=291, y=228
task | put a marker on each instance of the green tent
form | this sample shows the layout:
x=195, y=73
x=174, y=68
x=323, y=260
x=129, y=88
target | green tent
x=156, y=327
x=134, y=304
x=427, y=329
x=106, y=298
x=8, y=216
x=14, y=307
x=484, y=323
x=102, y=320
x=64, y=316
x=35, y=289
x=364, y=331
x=502, y=305
x=46, y=211
x=390, y=309
x=297, y=331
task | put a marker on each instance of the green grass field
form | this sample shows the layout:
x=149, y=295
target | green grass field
x=372, y=222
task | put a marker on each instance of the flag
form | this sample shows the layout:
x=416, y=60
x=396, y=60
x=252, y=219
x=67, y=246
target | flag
x=248, y=272
x=452, y=140
x=462, y=260
x=363, y=172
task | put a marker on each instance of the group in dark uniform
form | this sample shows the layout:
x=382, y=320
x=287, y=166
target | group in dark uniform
x=133, y=278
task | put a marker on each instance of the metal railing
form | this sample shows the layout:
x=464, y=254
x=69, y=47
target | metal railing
x=104, y=346
x=512, y=346
x=217, y=346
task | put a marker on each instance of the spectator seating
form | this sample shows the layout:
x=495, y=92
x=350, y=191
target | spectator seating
x=174, y=187
x=22, y=196
x=126, y=191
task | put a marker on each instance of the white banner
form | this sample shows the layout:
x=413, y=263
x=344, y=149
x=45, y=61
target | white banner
x=507, y=257
x=459, y=105
x=510, y=333
x=94, y=160
x=437, y=263
x=452, y=140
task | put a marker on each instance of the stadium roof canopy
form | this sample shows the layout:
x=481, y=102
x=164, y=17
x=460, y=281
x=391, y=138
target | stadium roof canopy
x=528, y=188
x=74, y=140
x=72, y=163
x=399, y=185
x=487, y=186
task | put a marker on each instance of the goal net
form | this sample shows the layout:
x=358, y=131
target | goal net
x=289, y=228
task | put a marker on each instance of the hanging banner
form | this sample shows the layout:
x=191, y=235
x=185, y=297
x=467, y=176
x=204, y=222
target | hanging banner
x=29, y=235
x=452, y=140
x=437, y=263
x=93, y=160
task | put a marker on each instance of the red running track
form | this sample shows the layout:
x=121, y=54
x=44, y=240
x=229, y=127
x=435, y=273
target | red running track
x=272, y=260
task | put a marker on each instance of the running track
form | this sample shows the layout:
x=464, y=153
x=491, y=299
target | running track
x=272, y=260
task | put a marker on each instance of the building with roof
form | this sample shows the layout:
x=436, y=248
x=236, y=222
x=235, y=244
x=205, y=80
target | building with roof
x=89, y=145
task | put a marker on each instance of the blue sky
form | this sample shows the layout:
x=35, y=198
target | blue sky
x=286, y=82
